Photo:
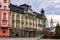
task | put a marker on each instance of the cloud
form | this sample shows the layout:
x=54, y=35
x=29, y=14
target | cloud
x=55, y=19
x=17, y=2
x=50, y=6
x=57, y=6
x=56, y=1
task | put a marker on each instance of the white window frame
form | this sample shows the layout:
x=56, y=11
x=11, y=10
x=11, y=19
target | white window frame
x=4, y=24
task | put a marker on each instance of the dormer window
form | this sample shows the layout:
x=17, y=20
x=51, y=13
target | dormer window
x=5, y=1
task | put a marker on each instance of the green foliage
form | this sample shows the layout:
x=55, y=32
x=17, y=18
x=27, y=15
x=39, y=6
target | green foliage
x=57, y=32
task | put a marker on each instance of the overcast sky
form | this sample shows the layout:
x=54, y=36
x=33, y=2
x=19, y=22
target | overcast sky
x=51, y=7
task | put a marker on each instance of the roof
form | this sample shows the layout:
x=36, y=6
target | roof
x=21, y=10
x=25, y=5
x=15, y=8
x=38, y=15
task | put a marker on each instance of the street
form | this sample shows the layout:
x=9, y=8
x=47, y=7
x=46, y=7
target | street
x=26, y=39
x=18, y=38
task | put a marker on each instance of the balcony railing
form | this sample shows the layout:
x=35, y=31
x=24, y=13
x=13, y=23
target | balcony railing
x=4, y=19
x=4, y=26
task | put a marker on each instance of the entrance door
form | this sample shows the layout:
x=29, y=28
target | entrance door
x=27, y=34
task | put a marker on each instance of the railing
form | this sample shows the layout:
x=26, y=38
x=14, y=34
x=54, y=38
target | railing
x=4, y=26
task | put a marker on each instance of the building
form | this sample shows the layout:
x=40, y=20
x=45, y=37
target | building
x=25, y=22
x=4, y=18
x=51, y=22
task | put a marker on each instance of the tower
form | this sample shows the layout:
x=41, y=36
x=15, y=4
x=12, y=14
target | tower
x=42, y=11
x=4, y=18
x=51, y=23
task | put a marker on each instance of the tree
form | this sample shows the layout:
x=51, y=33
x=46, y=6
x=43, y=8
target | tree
x=47, y=33
x=57, y=31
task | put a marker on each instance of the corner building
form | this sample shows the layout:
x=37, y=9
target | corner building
x=4, y=18
x=24, y=22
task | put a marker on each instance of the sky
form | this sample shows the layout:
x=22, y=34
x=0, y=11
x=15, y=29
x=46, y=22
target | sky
x=51, y=7
x=55, y=18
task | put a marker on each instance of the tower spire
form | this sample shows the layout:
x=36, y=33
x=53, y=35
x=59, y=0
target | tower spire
x=42, y=11
x=51, y=23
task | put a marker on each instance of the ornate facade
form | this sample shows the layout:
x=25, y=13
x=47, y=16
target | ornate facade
x=4, y=18
x=24, y=22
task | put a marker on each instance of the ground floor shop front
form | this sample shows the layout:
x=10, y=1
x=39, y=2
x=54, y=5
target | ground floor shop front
x=23, y=33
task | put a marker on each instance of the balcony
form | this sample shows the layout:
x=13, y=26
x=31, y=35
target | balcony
x=4, y=19
x=4, y=26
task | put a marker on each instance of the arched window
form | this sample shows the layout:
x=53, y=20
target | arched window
x=13, y=20
x=17, y=24
x=17, y=21
x=13, y=17
x=26, y=21
x=17, y=17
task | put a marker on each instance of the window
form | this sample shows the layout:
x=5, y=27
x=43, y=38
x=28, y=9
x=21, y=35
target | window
x=30, y=23
x=17, y=17
x=9, y=6
x=4, y=30
x=17, y=24
x=13, y=17
x=26, y=23
x=4, y=24
x=0, y=5
x=12, y=23
x=5, y=1
x=33, y=24
x=4, y=15
x=22, y=22
x=5, y=7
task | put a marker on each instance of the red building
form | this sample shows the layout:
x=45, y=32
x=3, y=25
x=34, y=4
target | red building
x=4, y=18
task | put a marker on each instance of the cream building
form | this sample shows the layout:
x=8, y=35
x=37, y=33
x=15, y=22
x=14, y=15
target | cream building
x=25, y=22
